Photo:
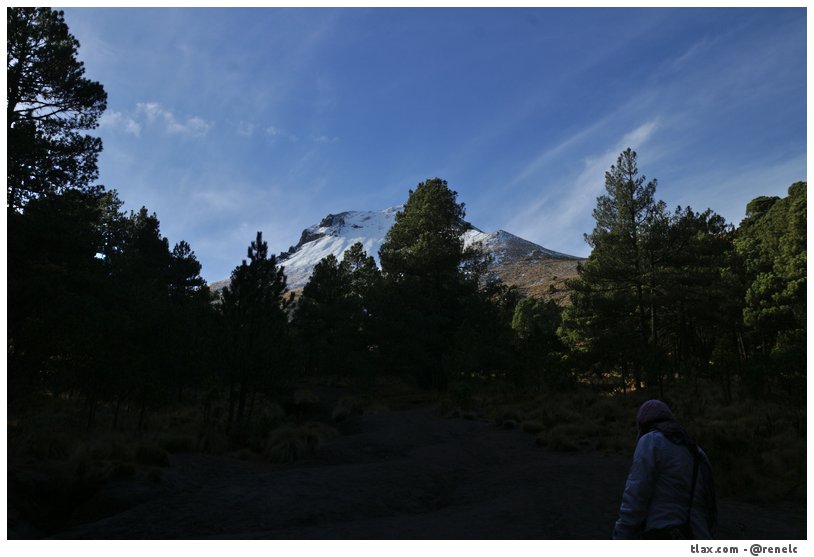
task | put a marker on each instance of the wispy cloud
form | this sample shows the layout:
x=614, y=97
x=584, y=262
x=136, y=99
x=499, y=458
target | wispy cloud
x=245, y=128
x=697, y=49
x=274, y=131
x=324, y=139
x=193, y=126
x=119, y=121
x=551, y=153
x=564, y=211
x=219, y=200
x=214, y=209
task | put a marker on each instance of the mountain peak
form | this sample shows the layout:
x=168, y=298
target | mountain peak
x=333, y=235
x=339, y=231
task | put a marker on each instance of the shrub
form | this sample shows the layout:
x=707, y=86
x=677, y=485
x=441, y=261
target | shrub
x=354, y=404
x=512, y=414
x=51, y=445
x=305, y=397
x=123, y=470
x=80, y=463
x=557, y=440
x=212, y=441
x=340, y=413
x=154, y=475
x=351, y=405
x=245, y=454
x=152, y=455
x=291, y=442
x=111, y=448
x=272, y=412
x=376, y=408
x=176, y=443
x=571, y=436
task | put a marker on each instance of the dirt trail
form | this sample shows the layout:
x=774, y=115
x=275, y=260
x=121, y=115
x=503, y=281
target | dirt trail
x=401, y=475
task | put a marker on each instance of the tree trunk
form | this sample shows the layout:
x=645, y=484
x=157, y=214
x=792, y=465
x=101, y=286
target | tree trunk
x=243, y=395
x=251, y=406
x=728, y=381
x=142, y=411
x=232, y=394
x=119, y=400
x=91, y=412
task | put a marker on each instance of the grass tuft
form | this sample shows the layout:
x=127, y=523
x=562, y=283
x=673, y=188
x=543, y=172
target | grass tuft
x=531, y=427
x=292, y=442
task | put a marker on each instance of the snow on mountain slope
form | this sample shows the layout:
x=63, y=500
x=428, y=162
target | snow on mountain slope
x=505, y=246
x=336, y=233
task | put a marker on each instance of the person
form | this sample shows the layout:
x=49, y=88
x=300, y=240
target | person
x=669, y=492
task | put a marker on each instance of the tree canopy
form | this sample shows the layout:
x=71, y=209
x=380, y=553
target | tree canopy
x=49, y=103
x=771, y=241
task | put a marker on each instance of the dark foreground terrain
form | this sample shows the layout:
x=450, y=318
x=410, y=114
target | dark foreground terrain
x=394, y=475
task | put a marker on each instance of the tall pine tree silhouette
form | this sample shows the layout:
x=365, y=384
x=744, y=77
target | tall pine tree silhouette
x=256, y=319
x=422, y=260
x=49, y=103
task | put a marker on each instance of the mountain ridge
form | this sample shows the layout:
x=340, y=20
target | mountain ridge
x=337, y=232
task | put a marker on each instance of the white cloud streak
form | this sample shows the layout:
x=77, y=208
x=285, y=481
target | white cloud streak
x=153, y=114
x=245, y=129
x=193, y=126
x=119, y=121
x=273, y=131
x=566, y=214
x=550, y=154
x=324, y=139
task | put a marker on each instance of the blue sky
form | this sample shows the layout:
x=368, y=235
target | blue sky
x=229, y=121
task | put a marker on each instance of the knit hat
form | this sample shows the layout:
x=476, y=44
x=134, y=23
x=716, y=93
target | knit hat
x=652, y=412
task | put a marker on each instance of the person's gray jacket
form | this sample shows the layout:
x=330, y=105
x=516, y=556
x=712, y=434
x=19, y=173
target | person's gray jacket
x=657, y=492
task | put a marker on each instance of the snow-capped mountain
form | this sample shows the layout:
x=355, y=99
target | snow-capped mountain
x=333, y=235
x=506, y=247
x=338, y=232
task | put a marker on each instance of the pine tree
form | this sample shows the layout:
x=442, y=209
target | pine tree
x=425, y=241
x=49, y=102
x=422, y=260
x=364, y=302
x=699, y=308
x=256, y=317
x=185, y=274
x=55, y=291
x=140, y=272
x=771, y=242
x=337, y=311
x=363, y=275
x=613, y=300
x=189, y=307
x=322, y=317
x=540, y=350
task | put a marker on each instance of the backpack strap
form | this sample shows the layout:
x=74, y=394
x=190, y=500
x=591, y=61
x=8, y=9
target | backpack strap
x=695, y=458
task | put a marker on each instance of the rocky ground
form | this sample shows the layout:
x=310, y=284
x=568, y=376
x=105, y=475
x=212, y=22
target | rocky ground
x=401, y=474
